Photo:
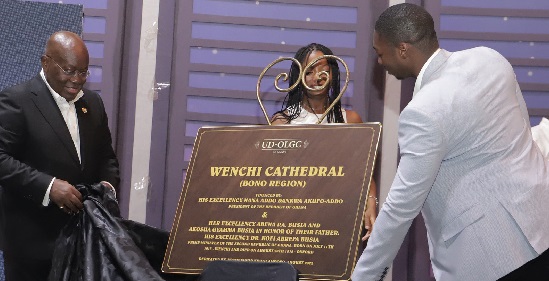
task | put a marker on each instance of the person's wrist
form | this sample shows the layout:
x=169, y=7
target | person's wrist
x=375, y=199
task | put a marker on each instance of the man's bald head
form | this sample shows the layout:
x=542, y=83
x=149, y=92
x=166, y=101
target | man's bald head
x=65, y=43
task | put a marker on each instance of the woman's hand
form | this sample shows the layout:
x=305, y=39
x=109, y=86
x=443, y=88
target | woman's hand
x=369, y=217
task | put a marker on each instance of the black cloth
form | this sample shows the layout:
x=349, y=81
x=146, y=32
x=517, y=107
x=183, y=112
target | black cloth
x=96, y=245
x=153, y=242
x=248, y=271
x=534, y=270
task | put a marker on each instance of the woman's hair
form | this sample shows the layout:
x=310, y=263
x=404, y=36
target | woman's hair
x=291, y=105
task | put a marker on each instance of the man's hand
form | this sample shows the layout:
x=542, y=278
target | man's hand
x=109, y=185
x=66, y=196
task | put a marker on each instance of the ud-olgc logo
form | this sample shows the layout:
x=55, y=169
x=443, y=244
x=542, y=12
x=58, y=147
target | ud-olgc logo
x=281, y=145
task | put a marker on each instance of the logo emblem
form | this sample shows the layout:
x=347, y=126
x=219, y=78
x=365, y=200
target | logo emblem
x=281, y=145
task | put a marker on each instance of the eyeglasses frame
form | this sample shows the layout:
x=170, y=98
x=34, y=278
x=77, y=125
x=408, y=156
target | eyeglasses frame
x=80, y=74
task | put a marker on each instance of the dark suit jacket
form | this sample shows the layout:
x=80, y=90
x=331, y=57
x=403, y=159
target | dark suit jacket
x=35, y=146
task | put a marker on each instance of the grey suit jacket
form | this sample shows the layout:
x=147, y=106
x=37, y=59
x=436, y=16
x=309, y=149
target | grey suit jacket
x=469, y=164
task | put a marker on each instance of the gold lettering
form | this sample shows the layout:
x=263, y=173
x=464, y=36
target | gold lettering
x=254, y=171
x=322, y=171
x=223, y=229
x=290, y=201
x=238, y=223
x=294, y=171
x=287, y=239
x=304, y=232
x=199, y=229
x=273, y=231
x=235, y=171
x=330, y=232
x=309, y=239
x=308, y=252
x=245, y=230
x=215, y=171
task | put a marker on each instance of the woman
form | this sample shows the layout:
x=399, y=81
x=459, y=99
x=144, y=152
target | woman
x=303, y=106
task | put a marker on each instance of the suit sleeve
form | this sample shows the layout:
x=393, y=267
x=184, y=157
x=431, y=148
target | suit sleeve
x=422, y=149
x=14, y=174
x=109, y=169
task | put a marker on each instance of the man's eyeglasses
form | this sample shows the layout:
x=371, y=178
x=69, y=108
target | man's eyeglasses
x=71, y=73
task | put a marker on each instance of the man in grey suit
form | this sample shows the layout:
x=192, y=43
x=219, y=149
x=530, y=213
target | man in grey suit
x=468, y=161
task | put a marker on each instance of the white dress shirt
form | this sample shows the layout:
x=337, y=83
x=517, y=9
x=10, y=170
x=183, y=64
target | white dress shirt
x=68, y=110
x=419, y=78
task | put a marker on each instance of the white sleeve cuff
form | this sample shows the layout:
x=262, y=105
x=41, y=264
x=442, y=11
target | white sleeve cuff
x=46, y=200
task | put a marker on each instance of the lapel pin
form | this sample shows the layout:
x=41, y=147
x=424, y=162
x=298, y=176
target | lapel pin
x=84, y=110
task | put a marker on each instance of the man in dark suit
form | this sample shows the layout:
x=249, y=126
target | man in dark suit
x=53, y=135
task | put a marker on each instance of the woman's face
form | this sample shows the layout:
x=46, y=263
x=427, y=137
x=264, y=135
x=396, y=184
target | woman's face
x=317, y=75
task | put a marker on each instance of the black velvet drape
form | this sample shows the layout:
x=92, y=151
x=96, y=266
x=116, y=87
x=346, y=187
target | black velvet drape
x=96, y=244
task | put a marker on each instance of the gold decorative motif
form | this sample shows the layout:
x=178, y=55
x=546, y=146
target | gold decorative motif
x=84, y=110
x=301, y=79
